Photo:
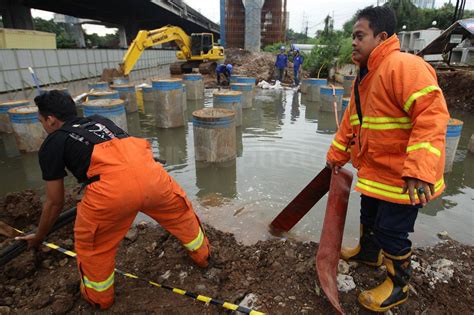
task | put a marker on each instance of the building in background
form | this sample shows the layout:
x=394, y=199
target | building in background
x=253, y=24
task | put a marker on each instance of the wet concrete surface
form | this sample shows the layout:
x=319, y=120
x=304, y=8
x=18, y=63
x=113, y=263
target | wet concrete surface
x=281, y=145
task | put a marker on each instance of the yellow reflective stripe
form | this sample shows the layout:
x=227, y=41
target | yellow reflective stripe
x=340, y=146
x=352, y=117
x=424, y=145
x=416, y=95
x=130, y=275
x=203, y=298
x=355, y=122
x=196, y=243
x=99, y=286
x=230, y=306
x=386, y=126
x=179, y=291
x=387, y=119
x=380, y=185
x=393, y=192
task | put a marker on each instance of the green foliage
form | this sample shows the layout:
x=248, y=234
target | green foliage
x=295, y=37
x=107, y=41
x=275, y=48
x=63, y=40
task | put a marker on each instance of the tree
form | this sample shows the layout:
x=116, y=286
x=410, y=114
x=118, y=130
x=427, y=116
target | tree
x=63, y=40
x=295, y=37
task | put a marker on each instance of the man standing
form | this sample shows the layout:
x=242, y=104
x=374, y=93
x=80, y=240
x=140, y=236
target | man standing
x=281, y=63
x=297, y=62
x=226, y=71
x=394, y=133
x=122, y=178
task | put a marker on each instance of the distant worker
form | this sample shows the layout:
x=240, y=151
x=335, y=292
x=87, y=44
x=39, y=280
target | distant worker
x=121, y=178
x=224, y=70
x=281, y=63
x=394, y=133
x=297, y=62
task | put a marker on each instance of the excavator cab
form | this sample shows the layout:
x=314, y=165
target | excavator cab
x=201, y=43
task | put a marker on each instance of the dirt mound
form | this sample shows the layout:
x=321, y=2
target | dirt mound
x=279, y=273
x=458, y=88
x=260, y=65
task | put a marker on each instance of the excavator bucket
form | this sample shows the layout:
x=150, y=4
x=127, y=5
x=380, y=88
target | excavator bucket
x=327, y=257
x=302, y=203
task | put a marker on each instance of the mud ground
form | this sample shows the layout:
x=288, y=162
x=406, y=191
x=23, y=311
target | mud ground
x=458, y=88
x=280, y=273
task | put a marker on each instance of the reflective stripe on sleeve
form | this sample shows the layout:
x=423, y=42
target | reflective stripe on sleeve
x=196, y=243
x=424, y=145
x=418, y=94
x=389, y=191
x=340, y=146
x=99, y=286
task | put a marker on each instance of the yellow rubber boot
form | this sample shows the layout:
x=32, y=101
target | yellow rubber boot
x=394, y=290
x=367, y=251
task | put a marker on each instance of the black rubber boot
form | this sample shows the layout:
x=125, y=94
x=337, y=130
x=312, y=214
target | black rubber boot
x=367, y=251
x=394, y=290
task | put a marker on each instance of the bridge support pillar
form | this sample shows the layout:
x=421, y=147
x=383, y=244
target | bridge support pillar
x=16, y=15
x=122, y=37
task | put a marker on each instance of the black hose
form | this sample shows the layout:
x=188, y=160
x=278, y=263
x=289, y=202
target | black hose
x=18, y=247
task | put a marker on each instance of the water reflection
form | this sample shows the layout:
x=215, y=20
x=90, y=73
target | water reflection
x=172, y=147
x=239, y=143
x=326, y=122
x=311, y=111
x=192, y=106
x=216, y=182
x=9, y=145
x=133, y=124
x=295, y=106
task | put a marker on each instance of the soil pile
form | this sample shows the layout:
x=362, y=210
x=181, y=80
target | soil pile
x=279, y=274
x=260, y=65
x=458, y=88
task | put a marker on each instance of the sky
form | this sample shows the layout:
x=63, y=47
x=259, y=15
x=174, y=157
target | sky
x=302, y=12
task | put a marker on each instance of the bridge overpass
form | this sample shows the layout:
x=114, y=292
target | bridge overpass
x=129, y=15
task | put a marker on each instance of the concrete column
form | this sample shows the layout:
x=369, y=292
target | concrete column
x=123, y=37
x=253, y=21
x=16, y=15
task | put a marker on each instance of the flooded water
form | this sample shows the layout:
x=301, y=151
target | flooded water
x=282, y=145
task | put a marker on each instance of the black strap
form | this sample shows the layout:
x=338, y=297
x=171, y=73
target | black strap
x=357, y=100
x=82, y=129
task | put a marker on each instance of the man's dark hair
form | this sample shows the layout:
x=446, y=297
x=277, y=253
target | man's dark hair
x=381, y=19
x=57, y=104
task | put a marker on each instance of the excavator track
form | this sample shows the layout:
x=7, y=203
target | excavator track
x=176, y=68
x=207, y=67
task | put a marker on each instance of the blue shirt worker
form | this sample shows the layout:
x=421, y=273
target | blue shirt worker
x=297, y=62
x=225, y=70
x=281, y=63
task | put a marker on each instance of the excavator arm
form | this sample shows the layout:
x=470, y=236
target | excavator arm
x=147, y=39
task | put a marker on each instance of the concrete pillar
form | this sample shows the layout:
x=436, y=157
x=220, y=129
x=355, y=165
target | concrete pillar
x=5, y=124
x=123, y=43
x=127, y=93
x=214, y=135
x=313, y=88
x=76, y=33
x=100, y=85
x=16, y=15
x=253, y=21
x=194, y=86
x=347, y=84
x=231, y=100
x=247, y=93
x=345, y=103
x=169, y=112
x=328, y=99
x=96, y=95
x=453, y=135
x=29, y=132
x=113, y=109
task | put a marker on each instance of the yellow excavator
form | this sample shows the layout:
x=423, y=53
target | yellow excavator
x=197, y=50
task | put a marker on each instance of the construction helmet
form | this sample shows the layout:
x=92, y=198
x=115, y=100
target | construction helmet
x=282, y=48
x=229, y=67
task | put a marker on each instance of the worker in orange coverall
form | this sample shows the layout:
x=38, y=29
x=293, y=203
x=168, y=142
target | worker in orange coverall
x=394, y=133
x=122, y=179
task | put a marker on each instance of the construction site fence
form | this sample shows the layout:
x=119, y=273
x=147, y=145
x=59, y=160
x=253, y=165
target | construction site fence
x=56, y=66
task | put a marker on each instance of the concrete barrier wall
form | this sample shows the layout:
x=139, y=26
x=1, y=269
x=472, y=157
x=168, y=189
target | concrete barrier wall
x=53, y=66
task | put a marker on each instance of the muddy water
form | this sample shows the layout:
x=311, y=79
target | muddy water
x=282, y=145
